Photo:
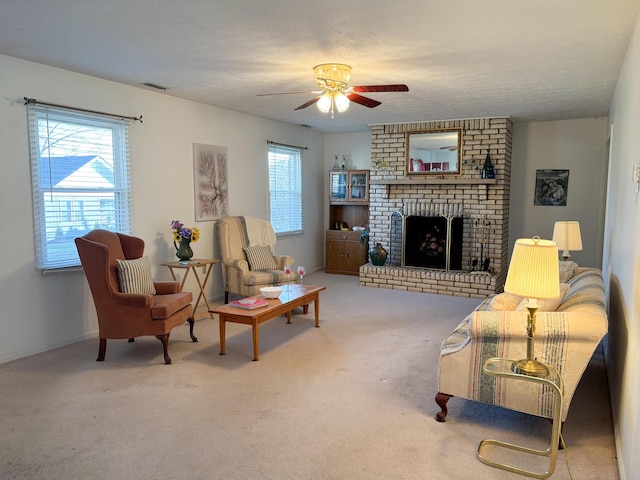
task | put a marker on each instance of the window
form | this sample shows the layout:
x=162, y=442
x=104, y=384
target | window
x=80, y=180
x=285, y=189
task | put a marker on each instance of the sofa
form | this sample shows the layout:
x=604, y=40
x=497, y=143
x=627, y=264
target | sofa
x=568, y=330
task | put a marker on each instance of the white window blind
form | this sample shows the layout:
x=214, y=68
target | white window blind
x=285, y=189
x=80, y=180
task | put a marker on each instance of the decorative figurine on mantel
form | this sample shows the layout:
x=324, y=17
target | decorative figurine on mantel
x=487, y=168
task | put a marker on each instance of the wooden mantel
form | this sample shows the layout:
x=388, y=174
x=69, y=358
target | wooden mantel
x=434, y=181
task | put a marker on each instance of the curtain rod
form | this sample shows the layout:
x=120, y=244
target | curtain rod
x=33, y=101
x=285, y=145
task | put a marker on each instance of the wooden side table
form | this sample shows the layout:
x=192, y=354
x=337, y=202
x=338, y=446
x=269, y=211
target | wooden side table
x=192, y=265
x=501, y=368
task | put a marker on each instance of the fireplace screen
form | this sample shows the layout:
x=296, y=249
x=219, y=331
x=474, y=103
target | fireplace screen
x=428, y=235
x=433, y=242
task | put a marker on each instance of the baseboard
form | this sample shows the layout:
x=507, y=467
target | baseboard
x=616, y=430
x=47, y=347
x=93, y=334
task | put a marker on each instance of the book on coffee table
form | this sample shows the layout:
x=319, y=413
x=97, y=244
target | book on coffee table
x=249, y=303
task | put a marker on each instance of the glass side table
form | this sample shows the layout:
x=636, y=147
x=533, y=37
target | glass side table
x=501, y=368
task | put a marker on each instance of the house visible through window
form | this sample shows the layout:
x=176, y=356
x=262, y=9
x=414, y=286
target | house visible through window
x=80, y=180
x=285, y=189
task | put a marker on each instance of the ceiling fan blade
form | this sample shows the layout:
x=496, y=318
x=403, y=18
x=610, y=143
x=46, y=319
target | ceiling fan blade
x=306, y=104
x=367, y=102
x=381, y=88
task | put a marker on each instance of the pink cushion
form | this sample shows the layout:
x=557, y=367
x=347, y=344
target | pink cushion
x=163, y=306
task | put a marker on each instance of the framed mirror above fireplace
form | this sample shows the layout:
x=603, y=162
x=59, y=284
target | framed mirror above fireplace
x=434, y=152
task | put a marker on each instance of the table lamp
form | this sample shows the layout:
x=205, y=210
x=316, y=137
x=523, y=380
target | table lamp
x=533, y=273
x=567, y=235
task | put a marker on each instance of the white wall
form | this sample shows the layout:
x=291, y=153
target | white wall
x=44, y=312
x=358, y=148
x=622, y=262
x=579, y=146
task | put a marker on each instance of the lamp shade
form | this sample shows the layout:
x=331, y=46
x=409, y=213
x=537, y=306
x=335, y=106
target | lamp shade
x=533, y=270
x=567, y=235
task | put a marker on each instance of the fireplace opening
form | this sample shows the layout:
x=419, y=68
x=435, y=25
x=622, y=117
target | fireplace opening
x=433, y=242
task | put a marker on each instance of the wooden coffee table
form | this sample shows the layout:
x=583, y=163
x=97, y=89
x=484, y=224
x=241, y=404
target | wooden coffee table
x=292, y=297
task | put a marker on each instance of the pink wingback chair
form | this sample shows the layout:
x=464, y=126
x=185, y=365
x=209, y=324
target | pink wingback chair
x=129, y=315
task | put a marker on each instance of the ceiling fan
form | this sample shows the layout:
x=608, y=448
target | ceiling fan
x=335, y=94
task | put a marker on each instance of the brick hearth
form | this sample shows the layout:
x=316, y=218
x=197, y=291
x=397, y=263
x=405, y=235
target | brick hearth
x=413, y=279
x=480, y=200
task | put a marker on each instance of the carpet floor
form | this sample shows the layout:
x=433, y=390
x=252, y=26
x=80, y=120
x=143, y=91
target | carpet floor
x=353, y=399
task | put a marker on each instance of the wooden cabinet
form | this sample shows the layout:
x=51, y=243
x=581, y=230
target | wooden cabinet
x=348, y=199
x=345, y=254
x=349, y=186
x=348, y=208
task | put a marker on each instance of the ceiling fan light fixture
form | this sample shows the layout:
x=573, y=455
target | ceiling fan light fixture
x=324, y=103
x=342, y=102
x=336, y=94
x=332, y=74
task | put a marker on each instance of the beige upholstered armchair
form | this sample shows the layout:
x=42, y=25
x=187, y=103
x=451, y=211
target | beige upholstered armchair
x=247, y=258
x=128, y=302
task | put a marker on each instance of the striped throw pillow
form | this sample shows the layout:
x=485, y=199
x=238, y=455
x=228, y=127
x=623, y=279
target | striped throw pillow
x=135, y=276
x=260, y=258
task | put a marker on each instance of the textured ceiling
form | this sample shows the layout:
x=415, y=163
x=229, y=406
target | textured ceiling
x=531, y=60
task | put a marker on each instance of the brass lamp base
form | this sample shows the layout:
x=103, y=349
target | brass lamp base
x=532, y=368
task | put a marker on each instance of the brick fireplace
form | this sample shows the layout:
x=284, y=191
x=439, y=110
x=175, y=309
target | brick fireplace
x=483, y=205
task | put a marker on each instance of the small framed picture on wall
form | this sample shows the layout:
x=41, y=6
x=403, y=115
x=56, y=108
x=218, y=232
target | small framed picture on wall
x=551, y=187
